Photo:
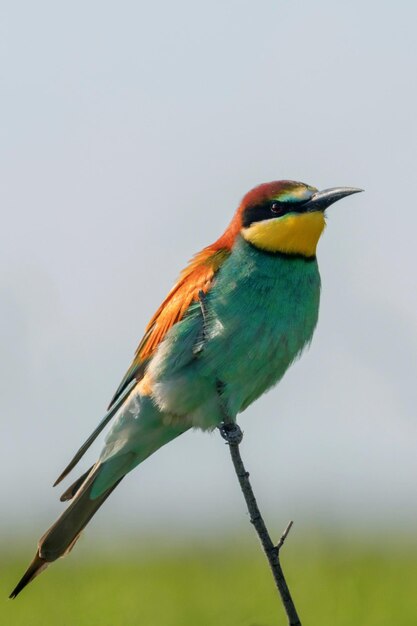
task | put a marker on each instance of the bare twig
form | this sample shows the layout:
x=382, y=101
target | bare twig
x=233, y=435
x=284, y=535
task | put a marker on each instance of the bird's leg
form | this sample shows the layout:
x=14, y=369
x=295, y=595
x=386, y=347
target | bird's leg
x=203, y=335
x=229, y=430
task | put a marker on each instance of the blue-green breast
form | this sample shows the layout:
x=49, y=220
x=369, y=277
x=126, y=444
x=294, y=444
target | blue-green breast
x=261, y=312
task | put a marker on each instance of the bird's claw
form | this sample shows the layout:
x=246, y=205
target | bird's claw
x=231, y=433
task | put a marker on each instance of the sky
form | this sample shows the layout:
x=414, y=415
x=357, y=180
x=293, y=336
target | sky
x=129, y=133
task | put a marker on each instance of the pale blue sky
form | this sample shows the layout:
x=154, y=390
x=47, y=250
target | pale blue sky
x=129, y=133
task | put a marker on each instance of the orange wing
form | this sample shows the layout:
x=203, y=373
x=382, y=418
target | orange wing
x=196, y=277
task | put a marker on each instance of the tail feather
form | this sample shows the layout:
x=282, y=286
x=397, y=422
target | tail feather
x=35, y=568
x=72, y=489
x=130, y=442
x=114, y=407
x=61, y=537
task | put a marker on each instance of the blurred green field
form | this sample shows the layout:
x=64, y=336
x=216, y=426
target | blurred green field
x=333, y=583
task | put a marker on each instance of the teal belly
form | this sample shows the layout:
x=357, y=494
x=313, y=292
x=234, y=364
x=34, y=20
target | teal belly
x=261, y=313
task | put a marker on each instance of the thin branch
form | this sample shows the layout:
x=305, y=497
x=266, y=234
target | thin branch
x=233, y=435
x=284, y=535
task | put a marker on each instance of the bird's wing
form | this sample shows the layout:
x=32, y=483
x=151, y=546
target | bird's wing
x=196, y=277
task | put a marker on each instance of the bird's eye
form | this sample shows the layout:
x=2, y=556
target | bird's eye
x=276, y=207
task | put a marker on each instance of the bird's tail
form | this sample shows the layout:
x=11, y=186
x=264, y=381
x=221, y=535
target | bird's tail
x=138, y=433
x=61, y=537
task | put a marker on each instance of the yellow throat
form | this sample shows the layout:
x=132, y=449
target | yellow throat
x=294, y=233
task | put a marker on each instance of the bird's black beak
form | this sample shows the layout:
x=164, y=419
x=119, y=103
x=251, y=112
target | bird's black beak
x=323, y=199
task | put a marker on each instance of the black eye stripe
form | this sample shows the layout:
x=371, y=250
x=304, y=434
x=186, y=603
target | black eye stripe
x=269, y=210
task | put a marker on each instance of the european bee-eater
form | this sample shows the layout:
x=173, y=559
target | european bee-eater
x=240, y=313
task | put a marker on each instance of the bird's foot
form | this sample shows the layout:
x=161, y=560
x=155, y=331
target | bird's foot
x=231, y=433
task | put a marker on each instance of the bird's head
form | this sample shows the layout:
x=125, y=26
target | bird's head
x=286, y=216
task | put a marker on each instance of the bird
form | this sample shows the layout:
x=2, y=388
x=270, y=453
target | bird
x=240, y=313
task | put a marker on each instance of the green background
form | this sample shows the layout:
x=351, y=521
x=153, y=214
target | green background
x=334, y=581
